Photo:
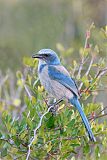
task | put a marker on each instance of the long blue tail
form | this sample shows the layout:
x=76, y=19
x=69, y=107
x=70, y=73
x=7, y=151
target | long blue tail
x=77, y=104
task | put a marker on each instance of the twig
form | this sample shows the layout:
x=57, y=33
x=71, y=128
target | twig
x=65, y=138
x=97, y=77
x=51, y=155
x=85, y=46
x=90, y=65
x=38, y=126
x=99, y=90
x=4, y=80
x=83, y=61
x=87, y=72
x=6, y=140
x=101, y=73
x=102, y=110
x=26, y=89
x=35, y=135
x=99, y=116
x=88, y=34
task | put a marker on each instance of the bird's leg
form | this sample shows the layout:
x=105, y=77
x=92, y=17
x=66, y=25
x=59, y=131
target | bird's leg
x=55, y=103
x=51, y=102
x=59, y=101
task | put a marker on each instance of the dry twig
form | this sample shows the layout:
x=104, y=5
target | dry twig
x=87, y=72
x=38, y=126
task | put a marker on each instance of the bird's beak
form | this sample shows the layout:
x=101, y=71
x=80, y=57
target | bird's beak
x=37, y=56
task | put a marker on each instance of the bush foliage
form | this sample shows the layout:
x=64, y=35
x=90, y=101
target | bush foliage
x=60, y=135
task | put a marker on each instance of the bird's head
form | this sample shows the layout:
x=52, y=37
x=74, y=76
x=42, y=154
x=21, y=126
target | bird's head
x=47, y=56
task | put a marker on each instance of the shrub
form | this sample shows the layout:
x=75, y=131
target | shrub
x=29, y=130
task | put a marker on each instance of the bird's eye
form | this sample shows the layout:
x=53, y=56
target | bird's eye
x=46, y=55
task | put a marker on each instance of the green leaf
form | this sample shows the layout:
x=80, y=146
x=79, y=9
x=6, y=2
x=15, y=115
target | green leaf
x=17, y=141
x=4, y=152
x=97, y=152
x=0, y=134
x=50, y=122
x=28, y=61
x=71, y=123
x=86, y=148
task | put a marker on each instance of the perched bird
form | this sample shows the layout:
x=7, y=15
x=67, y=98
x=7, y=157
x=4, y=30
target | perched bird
x=57, y=82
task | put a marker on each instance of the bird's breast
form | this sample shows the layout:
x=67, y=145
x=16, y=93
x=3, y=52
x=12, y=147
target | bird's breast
x=53, y=87
x=44, y=78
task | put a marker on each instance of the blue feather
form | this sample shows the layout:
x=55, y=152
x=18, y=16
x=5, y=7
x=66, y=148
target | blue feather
x=62, y=78
x=77, y=104
x=41, y=68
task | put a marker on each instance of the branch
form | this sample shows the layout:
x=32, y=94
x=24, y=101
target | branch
x=35, y=135
x=38, y=126
x=64, y=138
x=81, y=66
x=97, y=77
x=96, y=117
x=86, y=45
x=102, y=110
x=101, y=73
x=99, y=115
x=4, y=80
x=87, y=72
x=7, y=140
x=26, y=89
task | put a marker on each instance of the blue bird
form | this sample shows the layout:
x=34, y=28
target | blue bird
x=57, y=82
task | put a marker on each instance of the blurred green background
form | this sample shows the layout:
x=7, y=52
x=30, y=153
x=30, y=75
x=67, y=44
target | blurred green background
x=29, y=25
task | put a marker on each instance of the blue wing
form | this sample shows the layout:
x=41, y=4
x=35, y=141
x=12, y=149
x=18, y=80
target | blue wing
x=60, y=74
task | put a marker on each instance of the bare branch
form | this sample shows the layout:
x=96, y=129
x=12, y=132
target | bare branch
x=97, y=77
x=101, y=73
x=102, y=111
x=85, y=46
x=26, y=89
x=38, y=126
x=90, y=65
x=4, y=80
x=83, y=61
x=99, y=116
x=87, y=72
x=35, y=135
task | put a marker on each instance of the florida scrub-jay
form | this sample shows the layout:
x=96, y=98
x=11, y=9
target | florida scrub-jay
x=57, y=82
